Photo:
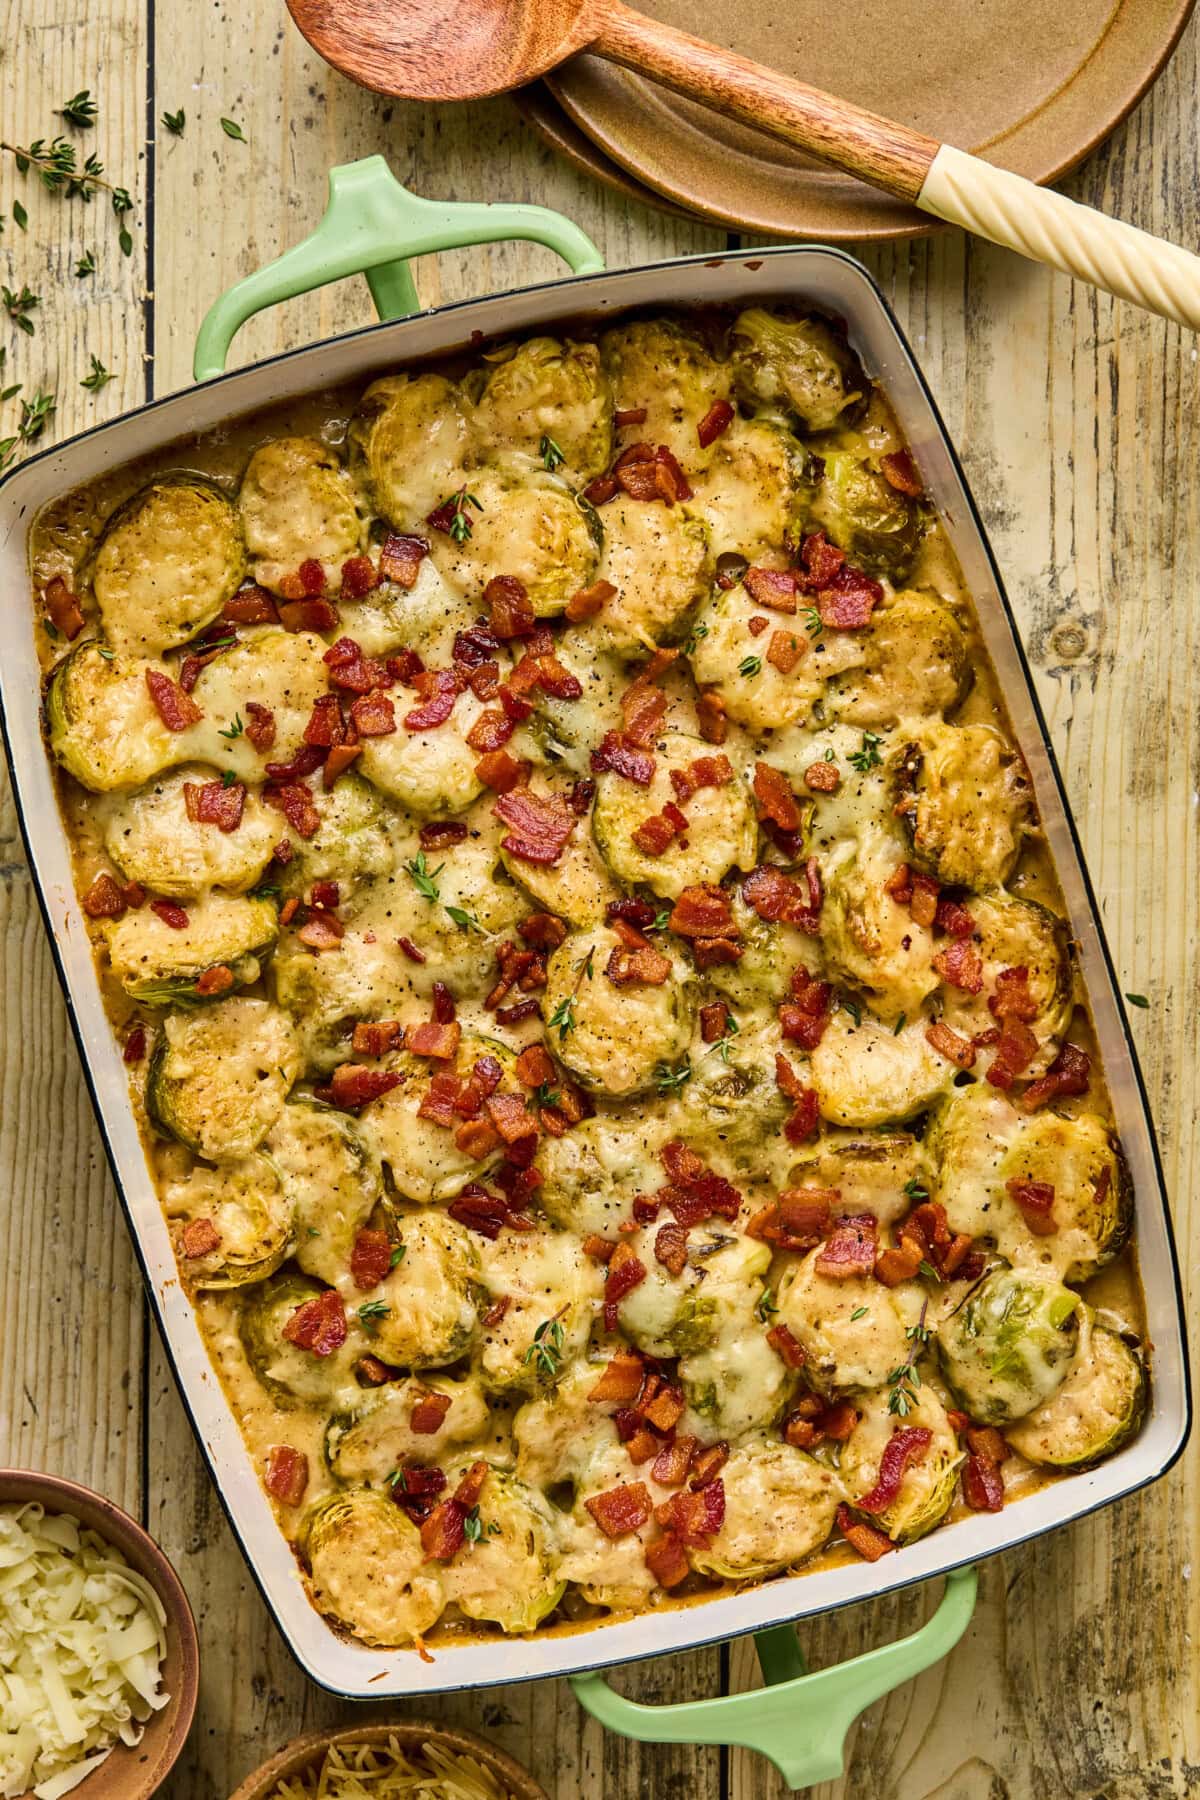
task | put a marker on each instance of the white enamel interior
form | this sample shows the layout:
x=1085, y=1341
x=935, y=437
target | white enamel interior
x=827, y=279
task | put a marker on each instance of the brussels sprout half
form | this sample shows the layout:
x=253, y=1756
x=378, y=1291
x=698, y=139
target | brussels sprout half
x=779, y=1508
x=866, y=1073
x=727, y=656
x=870, y=942
x=658, y=559
x=851, y=1333
x=577, y=887
x=1011, y=933
x=591, y=1174
x=715, y=1295
x=251, y=1212
x=367, y=1568
x=755, y=494
x=290, y=1375
x=352, y=844
x=614, y=1039
x=218, y=1078
x=1098, y=1408
x=508, y=1575
x=167, y=561
x=412, y=436
x=421, y=1158
x=284, y=671
x=104, y=728
x=966, y=801
x=531, y=528
x=160, y=965
x=372, y=1435
x=545, y=400
x=151, y=839
x=330, y=1179
x=722, y=831
x=663, y=367
x=878, y=527
x=297, y=505
x=800, y=365
x=770, y=952
x=927, y=1486
x=431, y=772
x=425, y=1310
x=869, y=1173
x=1092, y=1211
x=553, y=1292
x=1007, y=1347
x=733, y=1109
x=911, y=661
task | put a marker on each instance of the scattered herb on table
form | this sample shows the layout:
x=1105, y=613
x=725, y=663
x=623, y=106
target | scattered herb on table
x=174, y=122
x=18, y=306
x=80, y=110
x=99, y=377
x=1137, y=1000
x=232, y=129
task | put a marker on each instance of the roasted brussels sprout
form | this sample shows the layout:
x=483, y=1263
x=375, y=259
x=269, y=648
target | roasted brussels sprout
x=577, y=887
x=218, y=1078
x=169, y=559
x=877, y=526
x=327, y=1174
x=801, y=366
x=367, y=1568
x=104, y=728
x=250, y=1211
x=290, y=1375
x=392, y=617
x=779, y=1508
x=663, y=367
x=1092, y=1211
x=866, y=1073
x=412, y=434
x=657, y=557
x=761, y=974
x=722, y=833
x=1009, y=1344
x=715, y=1295
x=328, y=994
x=161, y=965
x=910, y=662
x=562, y=1434
x=967, y=1135
x=851, y=1333
x=152, y=840
x=552, y=1291
x=1097, y=1409
x=927, y=1486
x=608, y=1572
x=591, y=1174
x=870, y=942
x=430, y=772
x=281, y=670
x=869, y=1173
x=373, y=1434
x=738, y=1384
x=297, y=505
x=532, y=528
x=429, y=1298
x=965, y=798
x=732, y=1109
x=352, y=844
x=509, y=1574
x=755, y=494
x=423, y=1160
x=546, y=400
x=758, y=680
x=1011, y=934
x=614, y=1039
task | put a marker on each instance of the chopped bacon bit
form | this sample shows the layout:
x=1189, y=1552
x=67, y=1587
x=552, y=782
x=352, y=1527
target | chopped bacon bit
x=176, y=709
x=104, y=899
x=823, y=778
x=443, y=1004
x=672, y=482
x=900, y=471
x=539, y=825
x=305, y=762
x=476, y=1138
x=217, y=804
x=621, y=1510
x=352, y=1087
x=954, y=920
x=1036, y=1201
x=199, y=1237
x=442, y=834
x=472, y=1484
x=803, y=1020
x=671, y=1465
x=374, y=715
x=534, y=1066
x=667, y=1560
x=170, y=913
x=776, y=896
x=775, y=588
x=622, y=1378
x=1016, y=1047
x=850, y=1250
x=923, y=902
x=401, y=556
x=325, y=726
x=338, y=761
x=629, y=415
x=701, y=772
x=846, y=597
x=62, y=608
x=656, y=834
x=870, y=1543
x=507, y=599
x=296, y=803
x=414, y=1490
x=359, y=577
x=899, y=884
x=135, y=1045
x=909, y=1444
x=499, y=771
x=713, y=1022
x=623, y=759
x=716, y=420
x=217, y=980
x=543, y=931
x=663, y=1408
x=443, y=1533
x=437, y=1104
x=899, y=1262
x=959, y=964
x=694, y=1517
x=600, y=1249
x=435, y=1039
x=645, y=967
x=709, y=952
x=600, y=489
x=987, y=1443
x=288, y=910
x=491, y=729
x=296, y=614
x=625, y=1272
x=785, y=1345
x=784, y=651
x=588, y=601
x=513, y=1015
x=370, y=1259
x=1012, y=998
x=838, y=1421
x=982, y=1484
x=410, y=950
x=643, y=708
x=251, y=605
x=820, y=560
x=800, y=1217
x=370, y=1372
x=439, y=690
x=671, y=1247
x=428, y=1414
x=319, y=1324
x=775, y=799
x=710, y=712
x=260, y=726
x=702, y=911
x=511, y=1117
x=286, y=1477
x=376, y=1037
x=950, y=1044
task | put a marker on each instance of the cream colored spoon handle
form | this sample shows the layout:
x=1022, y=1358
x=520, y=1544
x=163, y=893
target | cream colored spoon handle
x=1049, y=228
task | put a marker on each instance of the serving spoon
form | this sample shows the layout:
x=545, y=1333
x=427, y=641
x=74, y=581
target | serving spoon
x=471, y=49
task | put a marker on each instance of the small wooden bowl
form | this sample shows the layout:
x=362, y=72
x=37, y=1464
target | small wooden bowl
x=132, y=1772
x=410, y=1734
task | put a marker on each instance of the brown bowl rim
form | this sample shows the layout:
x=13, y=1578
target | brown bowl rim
x=301, y=1752
x=139, y=1774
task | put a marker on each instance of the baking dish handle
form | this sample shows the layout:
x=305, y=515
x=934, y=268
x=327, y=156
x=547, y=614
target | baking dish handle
x=796, y=1720
x=372, y=224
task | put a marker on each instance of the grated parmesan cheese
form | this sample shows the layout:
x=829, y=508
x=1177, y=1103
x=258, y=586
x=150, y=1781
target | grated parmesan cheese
x=81, y=1646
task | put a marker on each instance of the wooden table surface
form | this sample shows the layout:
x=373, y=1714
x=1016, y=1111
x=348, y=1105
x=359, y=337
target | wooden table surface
x=1078, y=421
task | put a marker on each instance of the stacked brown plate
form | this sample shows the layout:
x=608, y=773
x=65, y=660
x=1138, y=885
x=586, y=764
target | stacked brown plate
x=1032, y=84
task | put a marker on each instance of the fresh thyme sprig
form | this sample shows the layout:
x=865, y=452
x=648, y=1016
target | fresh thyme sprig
x=904, y=1380
x=424, y=879
x=99, y=377
x=174, y=122
x=670, y=1080
x=550, y=453
x=546, y=1350
x=750, y=666
x=370, y=1313
x=868, y=756
x=80, y=110
x=235, y=730
x=34, y=416
x=562, y=1019
x=18, y=306
x=765, y=1305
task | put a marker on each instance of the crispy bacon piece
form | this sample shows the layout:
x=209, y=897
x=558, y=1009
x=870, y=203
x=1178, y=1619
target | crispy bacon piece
x=176, y=709
x=260, y=726
x=1012, y=998
x=982, y=1484
x=950, y=1044
x=104, y=899
x=543, y=930
x=673, y=1462
x=443, y=1533
x=694, y=1192
x=439, y=689
x=622, y=1509
x=338, y=761
x=776, y=802
x=643, y=708
x=171, y=913
x=374, y=715
x=428, y=1414
x=702, y=772
x=784, y=651
x=899, y=1262
x=803, y=1216
x=785, y=1345
x=586, y=602
x=822, y=778
x=1016, y=1047
x=625, y=1272
x=534, y=1066
x=414, y=1490
x=954, y=920
x=623, y=759
x=359, y=577
x=62, y=608
x=1036, y=1201
x=622, y=1378
x=219, y=805
x=710, y=713
x=491, y=729
x=539, y=825
x=986, y=1442
x=507, y=599
x=713, y=1022
x=286, y=1477
x=804, y=1118
x=435, y=1038
x=694, y=1518
x=850, y=1249
x=319, y=1324
x=870, y=1543
x=199, y=1238
x=909, y=1444
x=702, y=911
x=641, y=967
x=923, y=899
x=512, y=1118
x=297, y=805
x=803, y=1019
x=476, y=1138
x=716, y=420
x=900, y=471
x=655, y=835
x=500, y=771
x=757, y=624
x=370, y=1259
x=846, y=597
x=775, y=896
x=667, y=1560
x=352, y=1086
x=775, y=588
x=313, y=614
x=375, y=1037
x=251, y=605
x=325, y=725
x=401, y=556
x=217, y=980
x=671, y=1247
x=959, y=964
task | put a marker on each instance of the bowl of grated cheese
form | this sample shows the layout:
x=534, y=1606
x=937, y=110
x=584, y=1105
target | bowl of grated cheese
x=98, y=1653
x=411, y=1759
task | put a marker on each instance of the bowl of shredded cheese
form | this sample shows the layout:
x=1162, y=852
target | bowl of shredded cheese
x=409, y=1760
x=98, y=1655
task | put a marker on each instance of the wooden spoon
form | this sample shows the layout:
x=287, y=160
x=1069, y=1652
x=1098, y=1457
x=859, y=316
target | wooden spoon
x=469, y=49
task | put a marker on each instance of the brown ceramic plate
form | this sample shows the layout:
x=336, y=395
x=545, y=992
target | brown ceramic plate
x=132, y=1772
x=540, y=109
x=1032, y=84
x=304, y=1753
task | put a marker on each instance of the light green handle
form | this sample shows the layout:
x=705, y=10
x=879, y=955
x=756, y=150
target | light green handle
x=799, y=1720
x=371, y=225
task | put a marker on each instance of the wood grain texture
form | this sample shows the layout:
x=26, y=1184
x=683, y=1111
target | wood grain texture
x=1076, y=417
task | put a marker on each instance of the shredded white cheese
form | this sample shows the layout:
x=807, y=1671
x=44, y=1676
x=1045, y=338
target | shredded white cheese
x=82, y=1640
x=373, y=1772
